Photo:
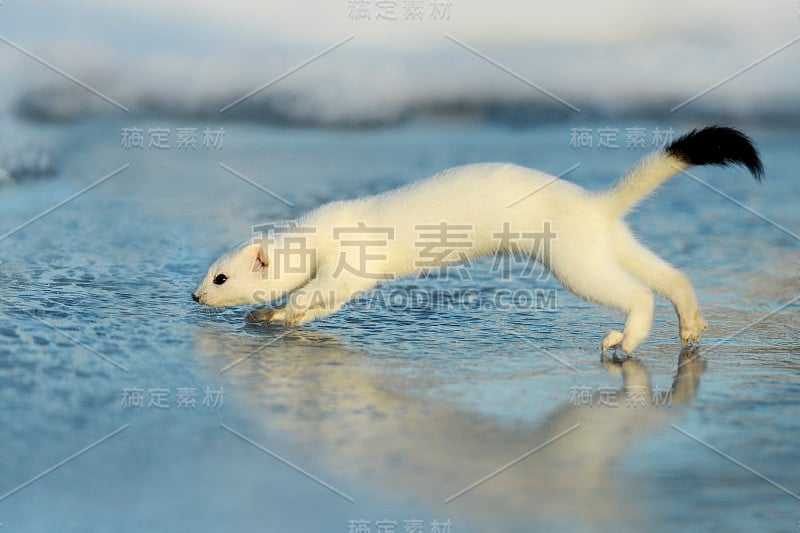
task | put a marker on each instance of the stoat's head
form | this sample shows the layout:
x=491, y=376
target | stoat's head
x=236, y=278
x=250, y=275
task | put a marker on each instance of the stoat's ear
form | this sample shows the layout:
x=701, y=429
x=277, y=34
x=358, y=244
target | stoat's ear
x=261, y=255
x=256, y=251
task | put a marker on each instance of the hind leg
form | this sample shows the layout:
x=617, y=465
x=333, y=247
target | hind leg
x=606, y=282
x=664, y=279
x=637, y=301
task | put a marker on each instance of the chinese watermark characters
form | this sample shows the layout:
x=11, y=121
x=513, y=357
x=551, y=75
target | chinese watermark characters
x=166, y=139
x=165, y=398
x=363, y=250
x=402, y=526
x=399, y=10
x=633, y=138
x=632, y=396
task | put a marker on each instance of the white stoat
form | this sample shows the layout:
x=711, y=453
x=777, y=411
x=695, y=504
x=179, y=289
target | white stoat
x=349, y=246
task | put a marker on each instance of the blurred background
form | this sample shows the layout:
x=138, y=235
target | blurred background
x=192, y=58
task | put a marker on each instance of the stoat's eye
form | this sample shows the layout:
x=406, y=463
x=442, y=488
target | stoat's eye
x=220, y=279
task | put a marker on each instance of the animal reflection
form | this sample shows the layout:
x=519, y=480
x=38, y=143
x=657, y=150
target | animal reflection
x=348, y=415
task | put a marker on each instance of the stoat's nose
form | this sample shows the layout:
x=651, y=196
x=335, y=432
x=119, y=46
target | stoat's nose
x=195, y=297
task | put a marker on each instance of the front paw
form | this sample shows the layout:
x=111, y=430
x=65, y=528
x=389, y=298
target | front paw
x=290, y=316
x=281, y=316
x=259, y=316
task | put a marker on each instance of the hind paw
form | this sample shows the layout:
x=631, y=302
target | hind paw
x=691, y=329
x=612, y=340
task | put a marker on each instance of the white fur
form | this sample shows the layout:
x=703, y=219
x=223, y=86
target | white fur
x=594, y=254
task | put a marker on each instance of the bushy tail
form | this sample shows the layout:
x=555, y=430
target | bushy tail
x=714, y=145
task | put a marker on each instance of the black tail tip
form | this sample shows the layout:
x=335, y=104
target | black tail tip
x=718, y=145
